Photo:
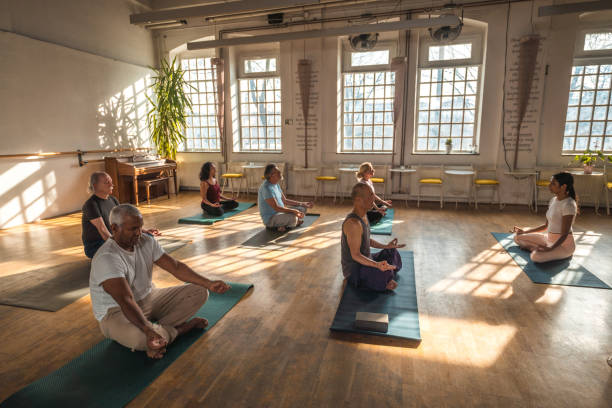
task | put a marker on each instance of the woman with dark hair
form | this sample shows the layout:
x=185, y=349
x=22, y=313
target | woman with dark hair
x=558, y=242
x=213, y=203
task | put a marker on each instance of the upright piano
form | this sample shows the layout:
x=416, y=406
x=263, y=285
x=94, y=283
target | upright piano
x=127, y=172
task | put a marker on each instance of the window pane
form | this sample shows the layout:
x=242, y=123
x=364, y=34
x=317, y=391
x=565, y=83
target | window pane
x=370, y=107
x=450, y=52
x=259, y=65
x=451, y=115
x=598, y=41
x=201, y=129
x=360, y=59
x=261, y=131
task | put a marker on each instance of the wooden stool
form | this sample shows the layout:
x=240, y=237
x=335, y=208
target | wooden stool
x=149, y=183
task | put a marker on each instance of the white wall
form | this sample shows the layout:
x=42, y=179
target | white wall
x=558, y=33
x=72, y=76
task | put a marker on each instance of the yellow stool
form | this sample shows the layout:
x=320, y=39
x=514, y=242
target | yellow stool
x=320, y=186
x=492, y=183
x=228, y=179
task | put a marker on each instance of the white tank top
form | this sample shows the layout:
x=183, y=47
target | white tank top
x=556, y=210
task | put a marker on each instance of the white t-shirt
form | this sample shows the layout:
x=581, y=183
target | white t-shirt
x=112, y=261
x=556, y=210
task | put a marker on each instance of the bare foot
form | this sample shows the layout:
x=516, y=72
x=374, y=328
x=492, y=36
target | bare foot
x=195, y=323
x=300, y=222
x=391, y=285
x=281, y=229
x=156, y=347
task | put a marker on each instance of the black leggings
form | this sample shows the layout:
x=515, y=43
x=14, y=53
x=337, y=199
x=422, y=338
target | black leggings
x=218, y=211
x=374, y=217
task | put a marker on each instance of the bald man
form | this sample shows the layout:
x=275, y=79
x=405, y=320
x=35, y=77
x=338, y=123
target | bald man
x=361, y=268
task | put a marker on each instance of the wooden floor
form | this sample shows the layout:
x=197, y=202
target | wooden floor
x=490, y=336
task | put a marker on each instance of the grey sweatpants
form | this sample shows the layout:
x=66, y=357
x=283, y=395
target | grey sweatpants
x=285, y=219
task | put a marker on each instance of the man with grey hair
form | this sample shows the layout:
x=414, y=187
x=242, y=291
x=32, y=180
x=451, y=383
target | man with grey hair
x=272, y=203
x=123, y=296
x=96, y=210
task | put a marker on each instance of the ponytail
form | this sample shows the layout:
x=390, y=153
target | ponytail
x=566, y=178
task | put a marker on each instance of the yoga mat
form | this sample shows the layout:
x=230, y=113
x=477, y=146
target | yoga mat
x=567, y=272
x=267, y=239
x=53, y=288
x=110, y=375
x=383, y=227
x=204, y=219
x=400, y=305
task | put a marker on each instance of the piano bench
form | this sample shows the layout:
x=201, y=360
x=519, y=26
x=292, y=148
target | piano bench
x=149, y=183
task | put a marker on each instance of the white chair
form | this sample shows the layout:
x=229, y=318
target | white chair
x=234, y=173
x=327, y=175
x=458, y=185
x=430, y=177
x=486, y=178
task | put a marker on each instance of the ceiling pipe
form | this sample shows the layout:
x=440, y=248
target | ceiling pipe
x=449, y=20
x=568, y=8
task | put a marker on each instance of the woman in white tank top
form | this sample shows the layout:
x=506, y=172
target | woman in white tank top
x=558, y=241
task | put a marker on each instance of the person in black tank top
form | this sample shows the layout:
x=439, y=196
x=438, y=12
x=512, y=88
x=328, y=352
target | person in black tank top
x=362, y=269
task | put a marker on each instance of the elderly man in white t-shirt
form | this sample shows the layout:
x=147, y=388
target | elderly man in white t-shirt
x=124, y=298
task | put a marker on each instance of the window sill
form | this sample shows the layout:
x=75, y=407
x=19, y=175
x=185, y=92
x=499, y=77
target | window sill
x=445, y=154
x=366, y=152
x=199, y=151
x=258, y=152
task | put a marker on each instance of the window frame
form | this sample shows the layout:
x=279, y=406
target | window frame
x=581, y=53
x=257, y=75
x=183, y=148
x=347, y=68
x=476, y=60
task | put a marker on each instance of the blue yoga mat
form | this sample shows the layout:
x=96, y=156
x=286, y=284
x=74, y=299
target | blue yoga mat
x=110, y=375
x=567, y=272
x=203, y=219
x=400, y=305
x=383, y=227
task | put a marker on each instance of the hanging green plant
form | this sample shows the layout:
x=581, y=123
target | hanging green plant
x=167, y=118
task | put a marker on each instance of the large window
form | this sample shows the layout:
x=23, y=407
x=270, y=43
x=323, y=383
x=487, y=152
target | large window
x=588, y=123
x=368, y=88
x=202, y=130
x=260, y=105
x=448, y=96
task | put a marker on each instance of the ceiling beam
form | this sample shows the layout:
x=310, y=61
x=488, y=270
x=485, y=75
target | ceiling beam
x=545, y=11
x=215, y=10
x=447, y=20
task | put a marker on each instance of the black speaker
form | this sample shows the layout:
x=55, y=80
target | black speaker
x=275, y=18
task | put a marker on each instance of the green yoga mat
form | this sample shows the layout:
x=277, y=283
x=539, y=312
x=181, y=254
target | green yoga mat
x=383, y=227
x=110, y=375
x=53, y=288
x=204, y=219
x=274, y=240
x=400, y=304
x=566, y=272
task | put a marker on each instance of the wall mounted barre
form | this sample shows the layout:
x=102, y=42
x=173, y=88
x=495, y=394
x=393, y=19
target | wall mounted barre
x=78, y=153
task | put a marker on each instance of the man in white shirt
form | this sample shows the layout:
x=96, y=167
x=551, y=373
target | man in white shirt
x=124, y=298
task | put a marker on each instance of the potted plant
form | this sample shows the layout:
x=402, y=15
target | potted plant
x=588, y=159
x=167, y=118
x=449, y=145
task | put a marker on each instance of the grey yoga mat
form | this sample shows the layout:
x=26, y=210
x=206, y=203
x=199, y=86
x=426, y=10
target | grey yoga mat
x=267, y=239
x=567, y=272
x=53, y=288
x=400, y=304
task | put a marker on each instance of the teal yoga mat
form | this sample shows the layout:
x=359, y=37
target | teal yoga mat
x=567, y=272
x=204, y=219
x=400, y=304
x=383, y=227
x=110, y=375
